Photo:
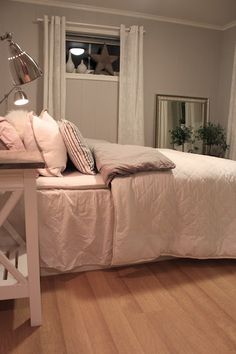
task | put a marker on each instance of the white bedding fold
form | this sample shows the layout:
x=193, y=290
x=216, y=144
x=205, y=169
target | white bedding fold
x=72, y=180
x=187, y=212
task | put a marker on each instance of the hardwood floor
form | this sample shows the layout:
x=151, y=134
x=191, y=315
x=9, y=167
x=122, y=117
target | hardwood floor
x=177, y=306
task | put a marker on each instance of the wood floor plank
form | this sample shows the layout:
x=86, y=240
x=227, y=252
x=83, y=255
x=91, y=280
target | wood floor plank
x=6, y=327
x=147, y=336
x=52, y=325
x=225, y=279
x=26, y=339
x=170, y=334
x=208, y=285
x=195, y=303
x=125, y=339
x=175, y=314
x=86, y=305
x=77, y=338
x=121, y=292
x=213, y=309
x=136, y=279
x=178, y=306
x=25, y=336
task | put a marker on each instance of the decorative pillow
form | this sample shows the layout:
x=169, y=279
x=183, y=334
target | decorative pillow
x=77, y=148
x=9, y=136
x=19, y=119
x=43, y=134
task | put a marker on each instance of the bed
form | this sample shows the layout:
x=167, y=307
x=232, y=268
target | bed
x=86, y=223
x=188, y=211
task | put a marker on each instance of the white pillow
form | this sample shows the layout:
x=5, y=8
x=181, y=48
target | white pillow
x=43, y=134
x=19, y=119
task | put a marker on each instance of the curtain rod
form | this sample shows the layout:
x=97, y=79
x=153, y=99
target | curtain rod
x=114, y=28
x=87, y=24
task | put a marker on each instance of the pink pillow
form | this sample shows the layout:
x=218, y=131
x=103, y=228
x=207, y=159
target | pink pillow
x=43, y=134
x=18, y=118
x=9, y=136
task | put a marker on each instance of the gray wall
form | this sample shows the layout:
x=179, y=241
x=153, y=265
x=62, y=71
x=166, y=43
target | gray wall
x=178, y=59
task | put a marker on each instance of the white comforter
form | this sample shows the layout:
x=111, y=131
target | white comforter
x=189, y=211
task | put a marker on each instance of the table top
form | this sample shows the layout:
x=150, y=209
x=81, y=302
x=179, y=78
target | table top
x=10, y=159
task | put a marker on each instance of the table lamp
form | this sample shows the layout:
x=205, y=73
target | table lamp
x=23, y=70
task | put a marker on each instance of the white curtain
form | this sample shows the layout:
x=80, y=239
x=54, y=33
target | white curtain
x=231, y=132
x=162, y=123
x=166, y=123
x=194, y=113
x=131, y=115
x=54, y=96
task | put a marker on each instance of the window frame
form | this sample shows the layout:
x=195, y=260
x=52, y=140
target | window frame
x=92, y=30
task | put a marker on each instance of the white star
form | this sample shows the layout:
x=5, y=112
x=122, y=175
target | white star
x=104, y=61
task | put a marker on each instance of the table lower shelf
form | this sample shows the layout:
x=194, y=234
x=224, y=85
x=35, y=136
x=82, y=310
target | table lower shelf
x=10, y=287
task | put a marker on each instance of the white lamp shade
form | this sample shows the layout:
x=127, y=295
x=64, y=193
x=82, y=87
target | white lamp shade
x=20, y=98
x=77, y=51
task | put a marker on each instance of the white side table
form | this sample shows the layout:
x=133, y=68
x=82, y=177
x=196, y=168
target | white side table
x=19, y=266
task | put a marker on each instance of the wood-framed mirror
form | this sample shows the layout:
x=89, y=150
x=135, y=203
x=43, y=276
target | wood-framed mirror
x=173, y=111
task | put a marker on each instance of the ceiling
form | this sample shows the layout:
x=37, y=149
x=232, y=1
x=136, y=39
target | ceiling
x=209, y=12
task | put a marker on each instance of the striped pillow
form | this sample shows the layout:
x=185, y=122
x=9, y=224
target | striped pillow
x=77, y=148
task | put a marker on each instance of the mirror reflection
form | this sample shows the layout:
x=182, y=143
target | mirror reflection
x=175, y=112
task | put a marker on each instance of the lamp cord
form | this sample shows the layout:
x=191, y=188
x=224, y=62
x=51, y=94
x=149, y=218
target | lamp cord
x=6, y=95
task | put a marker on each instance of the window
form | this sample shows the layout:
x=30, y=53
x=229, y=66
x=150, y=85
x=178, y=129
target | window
x=92, y=44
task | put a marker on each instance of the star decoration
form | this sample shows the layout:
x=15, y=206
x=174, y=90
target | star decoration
x=104, y=61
